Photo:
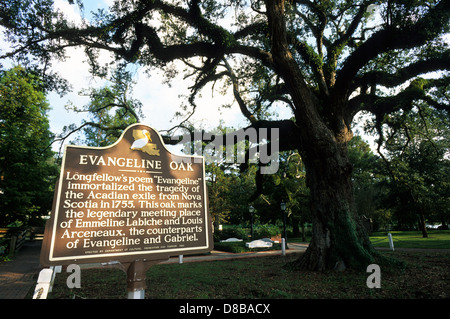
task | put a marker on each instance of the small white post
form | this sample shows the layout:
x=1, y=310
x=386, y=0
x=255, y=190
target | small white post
x=283, y=246
x=391, y=243
x=136, y=294
x=43, y=284
x=180, y=259
x=55, y=270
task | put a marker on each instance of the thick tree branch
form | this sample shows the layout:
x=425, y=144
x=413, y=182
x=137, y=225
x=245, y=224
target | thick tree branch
x=335, y=48
x=313, y=60
x=243, y=107
x=404, y=74
x=286, y=66
x=381, y=106
x=251, y=30
x=287, y=132
x=390, y=38
x=355, y=23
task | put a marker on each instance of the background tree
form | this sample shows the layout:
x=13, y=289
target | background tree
x=324, y=60
x=219, y=188
x=288, y=185
x=111, y=109
x=27, y=166
x=415, y=152
x=366, y=177
x=229, y=187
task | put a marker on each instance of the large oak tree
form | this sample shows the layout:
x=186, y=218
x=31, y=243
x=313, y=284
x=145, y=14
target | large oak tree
x=325, y=60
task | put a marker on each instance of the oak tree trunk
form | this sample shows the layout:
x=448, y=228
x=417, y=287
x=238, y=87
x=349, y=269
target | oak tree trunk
x=338, y=238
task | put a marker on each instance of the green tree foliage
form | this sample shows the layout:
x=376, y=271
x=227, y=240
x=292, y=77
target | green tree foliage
x=232, y=191
x=230, y=188
x=366, y=177
x=229, y=193
x=27, y=166
x=110, y=111
x=287, y=186
x=415, y=150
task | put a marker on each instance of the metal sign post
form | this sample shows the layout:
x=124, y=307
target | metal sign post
x=136, y=276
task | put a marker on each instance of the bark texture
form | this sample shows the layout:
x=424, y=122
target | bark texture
x=338, y=240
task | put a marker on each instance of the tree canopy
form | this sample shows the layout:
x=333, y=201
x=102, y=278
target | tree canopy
x=338, y=49
x=27, y=166
x=416, y=162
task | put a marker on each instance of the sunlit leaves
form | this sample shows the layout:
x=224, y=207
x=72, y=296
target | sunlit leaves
x=27, y=170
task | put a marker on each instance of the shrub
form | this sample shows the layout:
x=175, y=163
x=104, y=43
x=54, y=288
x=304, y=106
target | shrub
x=232, y=247
x=265, y=231
x=231, y=232
x=239, y=247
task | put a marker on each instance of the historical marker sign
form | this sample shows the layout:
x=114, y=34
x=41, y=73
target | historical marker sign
x=131, y=200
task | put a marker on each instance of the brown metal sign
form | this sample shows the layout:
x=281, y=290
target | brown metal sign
x=131, y=200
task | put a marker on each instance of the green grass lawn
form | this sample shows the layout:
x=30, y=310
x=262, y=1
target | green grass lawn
x=426, y=276
x=437, y=239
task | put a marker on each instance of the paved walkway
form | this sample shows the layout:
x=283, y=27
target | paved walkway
x=220, y=255
x=19, y=276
